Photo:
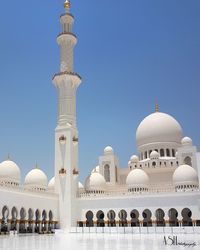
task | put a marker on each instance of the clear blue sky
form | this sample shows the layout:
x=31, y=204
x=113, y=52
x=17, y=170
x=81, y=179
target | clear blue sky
x=129, y=54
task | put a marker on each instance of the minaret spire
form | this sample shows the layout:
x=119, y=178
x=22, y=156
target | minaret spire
x=66, y=82
x=157, y=107
x=67, y=5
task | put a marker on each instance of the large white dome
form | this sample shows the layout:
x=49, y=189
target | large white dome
x=158, y=127
x=95, y=182
x=137, y=178
x=185, y=175
x=36, y=179
x=9, y=171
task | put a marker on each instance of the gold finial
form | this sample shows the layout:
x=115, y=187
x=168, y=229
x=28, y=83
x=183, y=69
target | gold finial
x=157, y=107
x=8, y=157
x=67, y=4
x=36, y=166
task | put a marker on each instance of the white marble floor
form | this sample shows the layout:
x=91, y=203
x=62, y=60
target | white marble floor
x=94, y=242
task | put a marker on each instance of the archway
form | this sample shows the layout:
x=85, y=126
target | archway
x=160, y=221
x=44, y=221
x=100, y=219
x=147, y=222
x=14, y=214
x=111, y=218
x=173, y=214
x=22, y=226
x=188, y=161
x=30, y=221
x=37, y=221
x=50, y=226
x=89, y=219
x=122, y=218
x=4, y=223
x=135, y=218
x=187, y=217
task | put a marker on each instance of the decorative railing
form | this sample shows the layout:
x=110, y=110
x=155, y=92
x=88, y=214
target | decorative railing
x=124, y=193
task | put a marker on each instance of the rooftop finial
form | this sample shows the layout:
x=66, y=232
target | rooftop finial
x=157, y=107
x=67, y=5
x=8, y=157
x=36, y=166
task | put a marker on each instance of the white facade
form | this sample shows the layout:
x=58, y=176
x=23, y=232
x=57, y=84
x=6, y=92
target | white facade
x=159, y=186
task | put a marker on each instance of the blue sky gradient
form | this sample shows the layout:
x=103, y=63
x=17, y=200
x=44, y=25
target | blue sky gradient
x=129, y=53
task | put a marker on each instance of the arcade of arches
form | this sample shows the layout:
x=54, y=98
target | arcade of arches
x=121, y=218
x=26, y=221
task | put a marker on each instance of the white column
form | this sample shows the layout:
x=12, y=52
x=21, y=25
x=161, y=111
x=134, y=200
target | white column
x=33, y=227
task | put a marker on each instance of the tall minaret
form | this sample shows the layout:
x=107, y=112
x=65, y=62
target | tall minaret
x=66, y=134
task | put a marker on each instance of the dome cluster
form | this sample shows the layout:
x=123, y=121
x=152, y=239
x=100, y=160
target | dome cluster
x=36, y=179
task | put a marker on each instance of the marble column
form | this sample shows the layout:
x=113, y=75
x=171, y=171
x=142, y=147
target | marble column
x=33, y=227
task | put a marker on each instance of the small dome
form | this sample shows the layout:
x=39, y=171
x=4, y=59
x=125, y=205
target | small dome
x=36, y=179
x=9, y=171
x=134, y=158
x=108, y=150
x=137, y=178
x=51, y=185
x=158, y=127
x=185, y=175
x=95, y=182
x=80, y=185
x=154, y=155
x=95, y=170
x=186, y=141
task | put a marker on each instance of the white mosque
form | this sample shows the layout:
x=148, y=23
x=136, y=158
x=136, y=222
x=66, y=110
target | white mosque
x=159, y=187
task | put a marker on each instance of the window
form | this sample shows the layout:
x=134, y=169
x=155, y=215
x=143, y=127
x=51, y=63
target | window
x=107, y=173
x=168, y=152
x=188, y=161
x=162, y=153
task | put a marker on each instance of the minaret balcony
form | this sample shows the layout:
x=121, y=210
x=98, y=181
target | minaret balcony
x=65, y=37
x=66, y=14
x=66, y=76
x=67, y=73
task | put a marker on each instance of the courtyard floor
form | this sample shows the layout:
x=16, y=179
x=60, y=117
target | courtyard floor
x=63, y=241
